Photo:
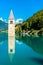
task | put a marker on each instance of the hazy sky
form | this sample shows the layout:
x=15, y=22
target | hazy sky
x=21, y=8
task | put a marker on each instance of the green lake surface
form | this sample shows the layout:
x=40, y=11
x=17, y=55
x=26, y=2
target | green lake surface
x=28, y=51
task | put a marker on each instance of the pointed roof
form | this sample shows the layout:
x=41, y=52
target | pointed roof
x=11, y=17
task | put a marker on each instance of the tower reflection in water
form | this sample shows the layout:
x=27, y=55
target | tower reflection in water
x=11, y=47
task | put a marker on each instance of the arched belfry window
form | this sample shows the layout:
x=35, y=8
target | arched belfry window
x=11, y=22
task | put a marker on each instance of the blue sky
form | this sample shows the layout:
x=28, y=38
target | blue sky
x=21, y=8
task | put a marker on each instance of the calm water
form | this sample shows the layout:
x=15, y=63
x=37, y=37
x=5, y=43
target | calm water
x=28, y=51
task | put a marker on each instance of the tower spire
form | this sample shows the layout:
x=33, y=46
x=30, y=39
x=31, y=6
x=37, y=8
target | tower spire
x=11, y=17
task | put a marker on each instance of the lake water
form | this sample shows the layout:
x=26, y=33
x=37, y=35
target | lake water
x=28, y=51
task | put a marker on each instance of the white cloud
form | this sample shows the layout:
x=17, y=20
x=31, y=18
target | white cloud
x=1, y=19
x=19, y=21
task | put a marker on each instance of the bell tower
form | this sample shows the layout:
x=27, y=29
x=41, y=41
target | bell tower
x=11, y=33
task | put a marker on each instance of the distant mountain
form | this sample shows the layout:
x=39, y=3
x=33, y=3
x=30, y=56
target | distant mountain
x=3, y=25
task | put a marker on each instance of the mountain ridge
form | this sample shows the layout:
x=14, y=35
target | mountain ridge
x=35, y=22
x=3, y=25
